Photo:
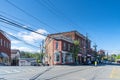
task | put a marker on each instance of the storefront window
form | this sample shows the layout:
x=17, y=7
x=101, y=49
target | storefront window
x=0, y=60
x=68, y=57
x=57, y=57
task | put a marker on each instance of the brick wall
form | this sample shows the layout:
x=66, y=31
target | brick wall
x=5, y=44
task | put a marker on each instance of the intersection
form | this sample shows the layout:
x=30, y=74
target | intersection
x=62, y=72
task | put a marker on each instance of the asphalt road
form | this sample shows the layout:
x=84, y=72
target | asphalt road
x=103, y=72
x=19, y=72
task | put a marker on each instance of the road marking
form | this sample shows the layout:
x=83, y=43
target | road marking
x=111, y=75
x=82, y=79
x=115, y=74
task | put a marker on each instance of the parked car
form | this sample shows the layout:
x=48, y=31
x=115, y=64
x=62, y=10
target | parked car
x=3, y=64
x=35, y=64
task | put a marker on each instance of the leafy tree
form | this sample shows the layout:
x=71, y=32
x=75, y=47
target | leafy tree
x=36, y=55
x=76, y=49
x=118, y=56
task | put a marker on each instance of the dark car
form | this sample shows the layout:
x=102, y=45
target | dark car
x=35, y=64
x=2, y=64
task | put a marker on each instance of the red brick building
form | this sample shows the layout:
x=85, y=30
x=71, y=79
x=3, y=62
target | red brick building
x=59, y=45
x=5, y=48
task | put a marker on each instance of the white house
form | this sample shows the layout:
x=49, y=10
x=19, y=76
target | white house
x=26, y=61
x=15, y=55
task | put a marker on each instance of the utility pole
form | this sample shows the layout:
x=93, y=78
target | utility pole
x=95, y=49
x=107, y=56
x=86, y=46
x=41, y=50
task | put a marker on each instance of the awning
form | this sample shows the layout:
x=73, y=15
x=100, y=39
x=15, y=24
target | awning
x=4, y=55
x=79, y=54
x=88, y=55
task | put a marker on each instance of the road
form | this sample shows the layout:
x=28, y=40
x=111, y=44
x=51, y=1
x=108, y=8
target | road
x=19, y=72
x=103, y=72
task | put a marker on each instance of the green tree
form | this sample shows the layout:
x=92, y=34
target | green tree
x=118, y=56
x=76, y=50
x=36, y=55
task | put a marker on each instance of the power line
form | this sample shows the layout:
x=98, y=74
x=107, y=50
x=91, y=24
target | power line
x=17, y=18
x=2, y=19
x=30, y=15
x=9, y=28
x=18, y=39
x=58, y=12
x=19, y=25
x=51, y=7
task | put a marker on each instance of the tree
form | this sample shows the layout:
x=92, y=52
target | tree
x=76, y=50
x=36, y=55
x=118, y=56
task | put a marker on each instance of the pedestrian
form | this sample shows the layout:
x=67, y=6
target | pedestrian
x=95, y=63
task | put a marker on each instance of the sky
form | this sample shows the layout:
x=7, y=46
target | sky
x=99, y=18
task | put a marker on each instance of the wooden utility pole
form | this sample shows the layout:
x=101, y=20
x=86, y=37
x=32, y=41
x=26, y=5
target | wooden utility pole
x=95, y=48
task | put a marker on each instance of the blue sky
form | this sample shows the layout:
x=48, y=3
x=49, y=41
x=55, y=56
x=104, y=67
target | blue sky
x=99, y=18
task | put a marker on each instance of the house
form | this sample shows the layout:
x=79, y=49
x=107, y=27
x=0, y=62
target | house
x=58, y=48
x=26, y=61
x=15, y=56
x=5, y=48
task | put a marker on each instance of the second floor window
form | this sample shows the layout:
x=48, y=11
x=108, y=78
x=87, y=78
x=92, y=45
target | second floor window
x=4, y=44
x=57, y=45
x=1, y=42
x=68, y=47
x=64, y=46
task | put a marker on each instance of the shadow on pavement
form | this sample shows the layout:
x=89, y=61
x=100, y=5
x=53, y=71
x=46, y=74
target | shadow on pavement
x=113, y=64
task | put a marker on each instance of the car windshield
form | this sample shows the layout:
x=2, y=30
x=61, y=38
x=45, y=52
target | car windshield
x=59, y=40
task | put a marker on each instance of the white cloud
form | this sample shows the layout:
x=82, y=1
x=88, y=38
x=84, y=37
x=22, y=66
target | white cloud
x=31, y=37
x=15, y=42
x=25, y=26
x=23, y=49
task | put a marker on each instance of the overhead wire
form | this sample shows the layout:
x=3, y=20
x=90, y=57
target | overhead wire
x=12, y=36
x=19, y=25
x=21, y=20
x=9, y=22
x=30, y=15
x=52, y=7
x=9, y=28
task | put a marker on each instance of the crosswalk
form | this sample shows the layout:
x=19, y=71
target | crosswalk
x=2, y=72
x=20, y=72
x=13, y=70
